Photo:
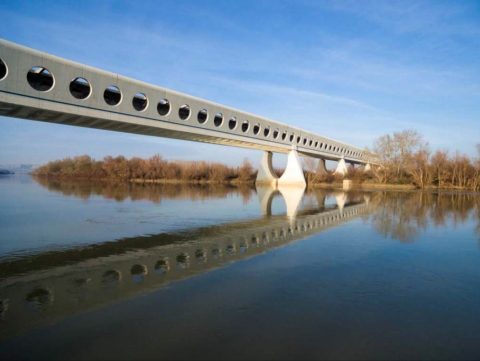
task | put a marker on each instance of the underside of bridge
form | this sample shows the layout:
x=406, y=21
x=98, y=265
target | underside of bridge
x=38, y=86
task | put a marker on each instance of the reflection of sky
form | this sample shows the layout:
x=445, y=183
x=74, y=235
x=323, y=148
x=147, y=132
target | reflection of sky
x=349, y=70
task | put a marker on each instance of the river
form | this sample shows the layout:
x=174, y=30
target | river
x=92, y=270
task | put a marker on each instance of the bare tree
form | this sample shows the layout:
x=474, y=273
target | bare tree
x=440, y=167
x=396, y=150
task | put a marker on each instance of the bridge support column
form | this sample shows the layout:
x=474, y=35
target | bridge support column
x=293, y=175
x=368, y=167
x=341, y=167
x=322, y=169
x=266, y=175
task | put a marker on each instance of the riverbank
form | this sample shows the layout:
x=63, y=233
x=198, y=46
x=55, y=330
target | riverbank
x=235, y=182
x=367, y=186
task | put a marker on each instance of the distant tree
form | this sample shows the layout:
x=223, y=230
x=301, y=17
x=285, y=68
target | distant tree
x=440, y=167
x=417, y=165
x=245, y=171
x=396, y=150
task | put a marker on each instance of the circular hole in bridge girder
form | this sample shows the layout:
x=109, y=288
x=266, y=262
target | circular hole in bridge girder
x=163, y=107
x=184, y=112
x=202, y=116
x=3, y=70
x=40, y=78
x=80, y=88
x=218, y=119
x=232, y=123
x=140, y=102
x=245, y=126
x=112, y=95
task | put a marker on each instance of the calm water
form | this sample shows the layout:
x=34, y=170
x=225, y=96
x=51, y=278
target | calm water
x=115, y=271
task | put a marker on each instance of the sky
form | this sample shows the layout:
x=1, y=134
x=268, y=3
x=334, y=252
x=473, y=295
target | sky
x=348, y=70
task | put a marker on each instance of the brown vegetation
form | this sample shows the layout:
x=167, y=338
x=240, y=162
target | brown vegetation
x=406, y=159
x=404, y=156
x=143, y=170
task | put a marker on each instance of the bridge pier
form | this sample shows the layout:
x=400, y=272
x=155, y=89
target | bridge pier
x=292, y=176
x=266, y=175
x=368, y=167
x=322, y=169
x=341, y=167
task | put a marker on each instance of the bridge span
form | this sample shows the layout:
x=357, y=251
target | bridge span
x=39, y=86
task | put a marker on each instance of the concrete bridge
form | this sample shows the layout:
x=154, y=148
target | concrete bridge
x=38, y=86
x=47, y=287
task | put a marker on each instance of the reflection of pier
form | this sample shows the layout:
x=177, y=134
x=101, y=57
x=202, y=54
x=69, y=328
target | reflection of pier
x=51, y=286
x=293, y=196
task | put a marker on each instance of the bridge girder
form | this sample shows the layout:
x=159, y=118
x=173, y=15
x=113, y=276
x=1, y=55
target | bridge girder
x=39, y=86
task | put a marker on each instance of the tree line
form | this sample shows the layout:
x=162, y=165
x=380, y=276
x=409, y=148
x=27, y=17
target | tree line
x=143, y=170
x=406, y=158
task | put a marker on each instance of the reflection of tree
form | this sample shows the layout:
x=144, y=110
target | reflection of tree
x=154, y=192
x=403, y=215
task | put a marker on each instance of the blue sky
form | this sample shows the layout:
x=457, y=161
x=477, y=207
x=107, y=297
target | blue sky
x=350, y=70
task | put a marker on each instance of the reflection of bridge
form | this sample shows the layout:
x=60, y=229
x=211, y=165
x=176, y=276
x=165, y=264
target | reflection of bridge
x=48, y=287
x=38, y=86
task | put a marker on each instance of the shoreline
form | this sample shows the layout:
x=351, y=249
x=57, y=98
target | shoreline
x=251, y=183
x=145, y=181
x=388, y=187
